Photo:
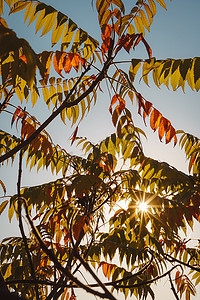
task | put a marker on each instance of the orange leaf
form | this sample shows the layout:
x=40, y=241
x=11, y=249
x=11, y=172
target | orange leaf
x=113, y=101
x=163, y=127
x=46, y=58
x=58, y=61
x=171, y=133
x=155, y=119
x=116, y=114
x=122, y=103
x=106, y=31
x=80, y=225
x=67, y=65
x=107, y=268
x=139, y=38
x=140, y=102
x=117, y=13
x=23, y=57
x=75, y=58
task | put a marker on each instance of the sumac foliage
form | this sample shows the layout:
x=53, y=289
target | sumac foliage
x=86, y=228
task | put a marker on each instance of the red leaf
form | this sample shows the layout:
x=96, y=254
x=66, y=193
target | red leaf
x=147, y=110
x=139, y=38
x=163, y=127
x=19, y=114
x=126, y=41
x=122, y=103
x=140, y=102
x=149, y=51
x=27, y=130
x=16, y=113
x=74, y=135
x=155, y=119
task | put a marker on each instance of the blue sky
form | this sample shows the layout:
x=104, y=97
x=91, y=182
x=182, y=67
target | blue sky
x=174, y=34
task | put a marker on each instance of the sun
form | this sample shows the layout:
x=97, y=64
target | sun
x=143, y=207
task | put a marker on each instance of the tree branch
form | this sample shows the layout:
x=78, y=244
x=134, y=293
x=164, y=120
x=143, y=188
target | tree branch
x=171, y=259
x=172, y=287
x=87, y=267
x=65, y=104
x=32, y=271
x=53, y=258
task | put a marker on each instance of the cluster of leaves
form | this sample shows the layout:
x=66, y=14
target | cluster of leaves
x=71, y=212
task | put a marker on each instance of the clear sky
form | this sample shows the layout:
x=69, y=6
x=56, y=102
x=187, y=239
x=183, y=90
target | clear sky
x=174, y=34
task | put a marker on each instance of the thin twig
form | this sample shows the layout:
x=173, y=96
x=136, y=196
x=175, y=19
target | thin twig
x=87, y=267
x=65, y=104
x=172, y=287
x=54, y=259
x=21, y=225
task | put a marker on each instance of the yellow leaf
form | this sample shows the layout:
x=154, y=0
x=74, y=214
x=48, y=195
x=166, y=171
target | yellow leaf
x=19, y=93
x=162, y=3
x=3, y=206
x=59, y=92
x=89, y=47
x=197, y=85
x=152, y=6
x=3, y=186
x=120, y=4
x=46, y=95
x=75, y=114
x=28, y=11
x=175, y=79
x=34, y=97
x=102, y=6
x=83, y=108
x=190, y=79
x=1, y=6
x=58, y=28
x=33, y=15
x=11, y=211
x=131, y=29
x=18, y=6
x=40, y=21
x=149, y=13
x=53, y=94
x=135, y=65
x=69, y=113
x=62, y=115
x=49, y=21
x=8, y=272
x=144, y=19
x=139, y=25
